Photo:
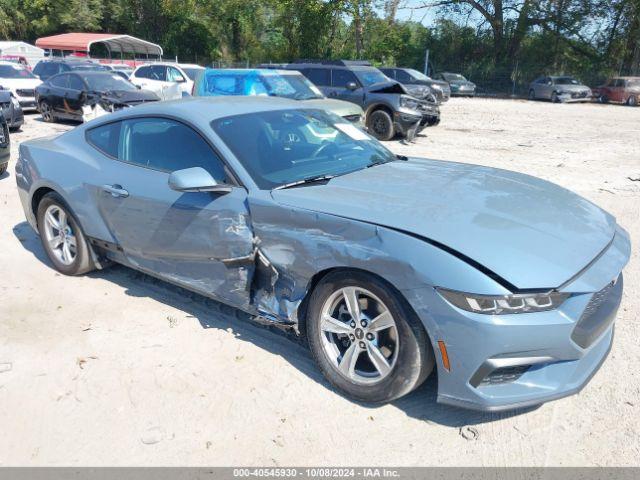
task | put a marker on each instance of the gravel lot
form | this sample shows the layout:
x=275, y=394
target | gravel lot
x=116, y=369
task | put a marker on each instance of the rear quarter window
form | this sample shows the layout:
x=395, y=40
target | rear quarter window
x=105, y=138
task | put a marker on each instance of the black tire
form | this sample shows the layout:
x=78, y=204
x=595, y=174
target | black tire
x=632, y=101
x=532, y=94
x=46, y=111
x=603, y=99
x=380, y=125
x=414, y=361
x=3, y=169
x=82, y=262
x=555, y=98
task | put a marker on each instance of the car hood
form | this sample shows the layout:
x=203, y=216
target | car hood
x=339, y=107
x=572, y=88
x=128, y=96
x=460, y=83
x=21, y=83
x=387, y=87
x=530, y=232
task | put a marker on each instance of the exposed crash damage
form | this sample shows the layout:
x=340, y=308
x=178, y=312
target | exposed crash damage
x=98, y=104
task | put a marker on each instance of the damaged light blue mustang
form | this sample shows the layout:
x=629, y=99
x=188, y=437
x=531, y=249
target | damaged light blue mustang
x=391, y=267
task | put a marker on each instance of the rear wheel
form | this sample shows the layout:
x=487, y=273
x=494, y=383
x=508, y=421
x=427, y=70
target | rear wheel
x=555, y=98
x=380, y=125
x=365, y=339
x=62, y=237
x=47, y=112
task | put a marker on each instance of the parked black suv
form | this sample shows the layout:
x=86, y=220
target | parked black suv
x=48, y=68
x=414, y=80
x=389, y=108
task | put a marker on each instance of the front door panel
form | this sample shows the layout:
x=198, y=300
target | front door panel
x=203, y=241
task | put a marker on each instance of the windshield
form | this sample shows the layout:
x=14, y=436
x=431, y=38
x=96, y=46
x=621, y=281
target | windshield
x=417, y=75
x=370, y=76
x=293, y=145
x=449, y=77
x=294, y=86
x=566, y=81
x=192, y=73
x=15, y=71
x=108, y=83
x=633, y=83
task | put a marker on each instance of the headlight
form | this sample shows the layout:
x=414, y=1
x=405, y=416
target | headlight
x=408, y=102
x=436, y=87
x=504, y=304
x=15, y=102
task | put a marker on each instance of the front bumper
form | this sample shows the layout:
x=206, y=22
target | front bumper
x=575, y=97
x=406, y=122
x=14, y=116
x=27, y=102
x=503, y=362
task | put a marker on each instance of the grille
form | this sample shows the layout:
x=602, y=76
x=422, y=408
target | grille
x=26, y=92
x=599, y=314
x=504, y=375
x=578, y=94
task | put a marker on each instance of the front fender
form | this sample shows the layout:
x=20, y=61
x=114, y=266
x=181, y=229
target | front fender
x=297, y=244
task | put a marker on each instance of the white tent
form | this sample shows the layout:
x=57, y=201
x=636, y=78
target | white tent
x=22, y=49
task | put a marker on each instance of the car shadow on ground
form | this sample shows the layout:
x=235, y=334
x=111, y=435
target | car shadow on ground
x=420, y=404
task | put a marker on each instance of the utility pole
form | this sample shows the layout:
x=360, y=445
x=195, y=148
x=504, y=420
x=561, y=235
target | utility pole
x=426, y=62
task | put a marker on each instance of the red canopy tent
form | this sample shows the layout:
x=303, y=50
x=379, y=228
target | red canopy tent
x=80, y=43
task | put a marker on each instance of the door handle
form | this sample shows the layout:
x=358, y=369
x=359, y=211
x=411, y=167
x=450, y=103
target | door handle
x=115, y=191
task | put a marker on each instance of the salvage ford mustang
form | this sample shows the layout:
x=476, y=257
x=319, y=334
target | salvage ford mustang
x=504, y=285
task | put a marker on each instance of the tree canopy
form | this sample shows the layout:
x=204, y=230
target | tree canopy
x=498, y=42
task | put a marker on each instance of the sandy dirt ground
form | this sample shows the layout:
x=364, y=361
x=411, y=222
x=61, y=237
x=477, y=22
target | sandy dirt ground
x=113, y=368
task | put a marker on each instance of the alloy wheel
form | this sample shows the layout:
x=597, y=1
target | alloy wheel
x=359, y=335
x=59, y=235
x=45, y=111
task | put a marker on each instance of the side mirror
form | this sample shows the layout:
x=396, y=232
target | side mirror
x=352, y=86
x=196, y=179
x=180, y=79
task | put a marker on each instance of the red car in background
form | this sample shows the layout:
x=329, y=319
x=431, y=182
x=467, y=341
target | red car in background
x=620, y=90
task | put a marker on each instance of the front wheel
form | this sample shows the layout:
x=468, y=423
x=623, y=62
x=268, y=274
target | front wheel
x=555, y=98
x=632, y=101
x=3, y=169
x=380, y=124
x=365, y=339
x=62, y=237
x=532, y=94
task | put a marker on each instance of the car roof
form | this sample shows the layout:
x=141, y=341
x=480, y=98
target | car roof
x=252, y=71
x=203, y=110
x=171, y=64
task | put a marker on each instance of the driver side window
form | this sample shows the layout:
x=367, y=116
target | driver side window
x=157, y=143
